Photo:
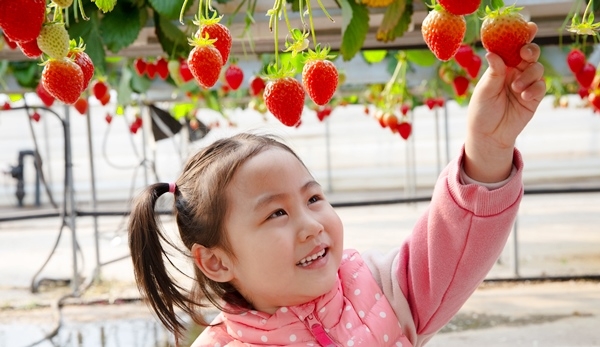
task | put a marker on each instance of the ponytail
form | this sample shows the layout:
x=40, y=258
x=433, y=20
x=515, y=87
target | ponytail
x=148, y=256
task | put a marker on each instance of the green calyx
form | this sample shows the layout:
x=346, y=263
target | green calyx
x=318, y=54
x=75, y=47
x=285, y=70
x=201, y=41
x=502, y=11
x=208, y=21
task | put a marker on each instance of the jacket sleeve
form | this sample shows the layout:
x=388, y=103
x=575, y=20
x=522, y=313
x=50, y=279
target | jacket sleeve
x=453, y=246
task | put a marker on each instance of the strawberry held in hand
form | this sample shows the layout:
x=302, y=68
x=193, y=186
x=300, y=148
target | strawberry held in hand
x=284, y=98
x=205, y=62
x=503, y=32
x=319, y=76
x=443, y=32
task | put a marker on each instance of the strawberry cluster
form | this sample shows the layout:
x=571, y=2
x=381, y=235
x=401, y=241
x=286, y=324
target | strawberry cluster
x=158, y=67
x=585, y=75
x=67, y=68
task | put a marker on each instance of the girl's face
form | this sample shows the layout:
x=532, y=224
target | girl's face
x=286, y=238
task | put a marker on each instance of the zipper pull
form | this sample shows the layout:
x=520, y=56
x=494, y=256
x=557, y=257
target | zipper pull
x=319, y=332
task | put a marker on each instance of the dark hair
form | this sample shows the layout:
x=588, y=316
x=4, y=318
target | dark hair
x=200, y=206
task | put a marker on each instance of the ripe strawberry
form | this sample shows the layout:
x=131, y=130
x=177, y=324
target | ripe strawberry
x=63, y=3
x=151, y=70
x=583, y=92
x=576, y=60
x=30, y=49
x=218, y=31
x=440, y=101
x=594, y=99
x=43, y=94
x=390, y=120
x=430, y=102
x=105, y=99
x=184, y=71
x=460, y=7
x=85, y=63
x=443, y=32
x=257, y=85
x=460, y=85
x=205, y=63
x=234, y=76
x=99, y=89
x=81, y=105
x=320, y=79
x=404, y=109
x=284, y=98
x=504, y=31
x=585, y=76
x=474, y=66
x=63, y=79
x=108, y=118
x=162, y=68
x=22, y=20
x=463, y=55
x=54, y=40
x=11, y=44
x=35, y=116
x=6, y=106
x=405, y=129
x=140, y=66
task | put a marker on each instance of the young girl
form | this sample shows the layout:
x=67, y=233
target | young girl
x=267, y=246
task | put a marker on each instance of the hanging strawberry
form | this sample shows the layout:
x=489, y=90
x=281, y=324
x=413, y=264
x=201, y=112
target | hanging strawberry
x=22, y=20
x=63, y=79
x=319, y=76
x=205, y=62
x=234, y=76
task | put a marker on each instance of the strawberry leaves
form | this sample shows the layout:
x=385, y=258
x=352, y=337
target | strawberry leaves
x=355, y=25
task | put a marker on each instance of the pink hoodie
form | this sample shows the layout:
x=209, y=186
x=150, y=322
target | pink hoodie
x=402, y=298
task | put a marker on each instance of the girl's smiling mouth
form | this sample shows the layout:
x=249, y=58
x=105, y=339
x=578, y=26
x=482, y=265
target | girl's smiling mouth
x=311, y=258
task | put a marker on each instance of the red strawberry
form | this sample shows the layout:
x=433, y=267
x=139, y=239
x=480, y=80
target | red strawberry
x=140, y=66
x=430, y=102
x=585, y=76
x=162, y=68
x=218, y=31
x=320, y=79
x=463, y=55
x=151, y=70
x=404, y=109
x=105, y=99
x=11, y=44
x=6, y=106
x=504, y=32
x=43, y=94
x=30, y=49
x=583, y=92
x=234, y=76
x=85, y=63
x=99, y=89
x=284, y=98
x=108, y=118
x=405, y=129
x=443, y=32
x=460, y=7
x=390, y=120
x=35, y=116
x=63, y=79
x=205, y=63
x=474, y=66
x=460, y=85
x=594, y=99
x=440, y=101
x=576, y=60
x=184, y=71
x=257, y=85
x=22, y=20
x=81, y=105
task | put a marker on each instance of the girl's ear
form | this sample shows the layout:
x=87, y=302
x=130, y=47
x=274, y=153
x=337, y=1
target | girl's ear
x=213, y=262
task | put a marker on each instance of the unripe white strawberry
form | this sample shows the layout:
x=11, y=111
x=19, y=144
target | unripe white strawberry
x=63, y=3
x=54, y=40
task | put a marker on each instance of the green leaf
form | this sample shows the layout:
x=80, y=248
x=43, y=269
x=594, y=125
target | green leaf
x=119, y=28
x=89, y=31
x=27, y=73
x=105, y=5
x=473, y=26
x=392, y=16
x=172, y=40
x=355, y=26
x=169, y=8
x=374, y=56
x=422, y=57
x=496, y=4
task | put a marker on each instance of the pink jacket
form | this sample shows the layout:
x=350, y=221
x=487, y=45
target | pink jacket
x=402, y=298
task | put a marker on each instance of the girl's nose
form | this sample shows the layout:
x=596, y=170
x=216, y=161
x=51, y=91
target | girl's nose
x=308, y=226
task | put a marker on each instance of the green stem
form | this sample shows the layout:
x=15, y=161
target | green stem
x=325, y=10
x=287, y=20
x=182, y=12
x=277, y=9
x=310, y=23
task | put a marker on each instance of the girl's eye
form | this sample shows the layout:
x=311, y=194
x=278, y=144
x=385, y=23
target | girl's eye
x=277, y=213
x=314, y=199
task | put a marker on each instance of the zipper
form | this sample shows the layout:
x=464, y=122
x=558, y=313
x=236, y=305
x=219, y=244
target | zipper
x=316, y=328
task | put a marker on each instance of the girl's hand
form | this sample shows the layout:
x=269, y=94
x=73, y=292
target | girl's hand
x=503, y=102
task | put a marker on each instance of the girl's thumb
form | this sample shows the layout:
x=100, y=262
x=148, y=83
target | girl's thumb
x=497, y=68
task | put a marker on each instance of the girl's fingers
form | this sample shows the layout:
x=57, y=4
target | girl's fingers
x=532, y=74
x=535, y=91
x=532, y=30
